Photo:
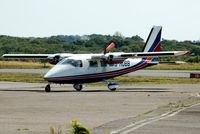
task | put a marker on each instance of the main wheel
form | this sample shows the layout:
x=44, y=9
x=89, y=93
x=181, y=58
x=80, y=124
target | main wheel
x=112, y=89
x=113, y=86
x=48, y=88
x=78, y=87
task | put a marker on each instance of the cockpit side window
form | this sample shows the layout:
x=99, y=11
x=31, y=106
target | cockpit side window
x=103, y=64
x=75, y=63
x=79, y=63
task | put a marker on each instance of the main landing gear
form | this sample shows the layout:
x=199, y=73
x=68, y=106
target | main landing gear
x=78, y=87
x=112, y=86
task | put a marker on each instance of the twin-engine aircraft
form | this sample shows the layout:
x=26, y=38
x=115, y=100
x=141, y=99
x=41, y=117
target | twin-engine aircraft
x=79, y=69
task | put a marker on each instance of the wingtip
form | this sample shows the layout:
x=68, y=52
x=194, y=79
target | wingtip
x=179, y=53
x=188, y=53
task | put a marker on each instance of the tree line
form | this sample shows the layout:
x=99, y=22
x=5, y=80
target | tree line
x=94, y=43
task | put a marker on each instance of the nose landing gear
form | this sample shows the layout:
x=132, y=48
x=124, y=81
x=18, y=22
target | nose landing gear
x=78, y=87
x=48, y=88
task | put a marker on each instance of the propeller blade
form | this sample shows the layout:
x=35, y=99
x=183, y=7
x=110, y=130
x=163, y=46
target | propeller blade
x=109, y=48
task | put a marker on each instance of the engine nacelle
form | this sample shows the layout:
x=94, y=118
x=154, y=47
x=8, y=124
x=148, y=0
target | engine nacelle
x=110, y=58
x=54, y=60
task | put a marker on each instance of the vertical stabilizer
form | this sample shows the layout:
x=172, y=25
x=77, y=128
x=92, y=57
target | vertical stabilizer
x=153, y=41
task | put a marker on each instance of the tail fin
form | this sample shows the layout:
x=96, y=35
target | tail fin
x=153, y=41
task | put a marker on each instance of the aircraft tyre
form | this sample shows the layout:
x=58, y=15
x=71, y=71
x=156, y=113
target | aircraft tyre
x=113, y=86
x=112, y=89
x=48, y=88
x=78, y=87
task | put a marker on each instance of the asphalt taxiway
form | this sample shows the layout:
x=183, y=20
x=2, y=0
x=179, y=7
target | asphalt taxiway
x=26, y=108
x=186, y=121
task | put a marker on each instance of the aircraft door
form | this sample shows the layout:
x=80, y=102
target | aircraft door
x=93, y=67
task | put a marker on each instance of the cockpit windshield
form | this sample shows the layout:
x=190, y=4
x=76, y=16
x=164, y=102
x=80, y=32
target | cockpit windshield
x=75, y=63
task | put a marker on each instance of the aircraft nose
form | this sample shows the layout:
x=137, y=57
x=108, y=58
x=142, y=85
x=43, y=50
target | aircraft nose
x=54, y=72
x=48, y=75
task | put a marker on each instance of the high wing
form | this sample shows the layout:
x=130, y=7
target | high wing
x=39, y=56
x=151, y=49
x=52, y=58
x=153, y=54
x=113, y=56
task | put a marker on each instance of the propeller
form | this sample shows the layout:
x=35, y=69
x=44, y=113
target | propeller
x=109, y=48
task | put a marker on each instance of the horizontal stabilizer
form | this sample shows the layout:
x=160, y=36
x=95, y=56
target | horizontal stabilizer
x=39, y=56
x=139, y=55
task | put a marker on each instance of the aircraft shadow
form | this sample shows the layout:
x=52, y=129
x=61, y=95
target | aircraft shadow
x=106, y=90
x=20, y=90
x=39, y=91
x=133, y=90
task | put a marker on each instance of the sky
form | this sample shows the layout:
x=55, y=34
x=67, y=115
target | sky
x=43, y=18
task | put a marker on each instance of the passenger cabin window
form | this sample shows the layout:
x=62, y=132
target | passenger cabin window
x=103, y=64
x=75, y=63
x=93, y=63
x=111, y=64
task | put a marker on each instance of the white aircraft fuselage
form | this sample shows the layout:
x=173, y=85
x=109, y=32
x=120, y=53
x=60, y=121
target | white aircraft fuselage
x=81, y=69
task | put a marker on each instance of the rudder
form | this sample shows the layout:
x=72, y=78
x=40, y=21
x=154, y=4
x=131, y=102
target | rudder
x=153, y=41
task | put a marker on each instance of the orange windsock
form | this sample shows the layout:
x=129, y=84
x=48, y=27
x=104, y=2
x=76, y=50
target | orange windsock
x=109, y=48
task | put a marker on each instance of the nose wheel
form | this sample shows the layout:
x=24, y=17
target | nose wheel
x=48, y=88
x=78, y=87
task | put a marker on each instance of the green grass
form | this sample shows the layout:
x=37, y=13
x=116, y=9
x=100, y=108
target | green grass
x=23, y=65
x=187, y=66
x=36, y=65
x=21, y=77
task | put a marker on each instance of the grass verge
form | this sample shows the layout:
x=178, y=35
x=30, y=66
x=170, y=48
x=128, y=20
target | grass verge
x=23, y=65
x=37, y=65
x=22, y=77
x=187, y=66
